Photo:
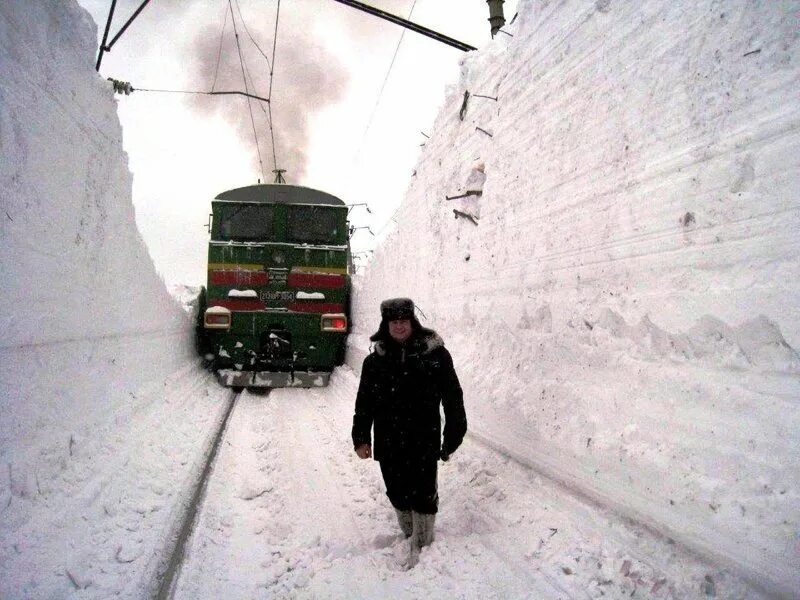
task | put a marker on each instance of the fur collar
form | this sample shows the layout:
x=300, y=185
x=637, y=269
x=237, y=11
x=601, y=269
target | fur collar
x=423, y=342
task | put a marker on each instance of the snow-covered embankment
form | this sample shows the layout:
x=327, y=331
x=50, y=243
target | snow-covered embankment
x=622, y=299
x=92, y=341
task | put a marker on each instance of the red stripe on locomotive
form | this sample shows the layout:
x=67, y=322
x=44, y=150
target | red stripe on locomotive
x=316, y=307
x=238, y=303
x=315, y=280
x=238, y=277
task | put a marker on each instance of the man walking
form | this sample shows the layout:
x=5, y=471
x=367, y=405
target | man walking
x=405, y=379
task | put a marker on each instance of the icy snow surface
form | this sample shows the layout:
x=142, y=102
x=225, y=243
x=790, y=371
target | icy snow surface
x=622, y=308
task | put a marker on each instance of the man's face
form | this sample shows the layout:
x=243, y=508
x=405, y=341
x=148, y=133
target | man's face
x=400, y=329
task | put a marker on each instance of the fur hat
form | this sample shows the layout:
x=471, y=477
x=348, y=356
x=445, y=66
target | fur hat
x=395, y=309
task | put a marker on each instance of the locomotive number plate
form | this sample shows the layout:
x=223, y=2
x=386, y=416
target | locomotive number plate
x=270, y=296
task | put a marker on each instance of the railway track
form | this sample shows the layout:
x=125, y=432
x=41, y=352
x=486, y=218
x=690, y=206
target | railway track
x=167, y=586
x=266, y=511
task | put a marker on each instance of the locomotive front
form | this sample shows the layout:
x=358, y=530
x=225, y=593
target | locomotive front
x=275, y=309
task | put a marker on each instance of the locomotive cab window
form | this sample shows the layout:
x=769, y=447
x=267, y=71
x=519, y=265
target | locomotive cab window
x=246, y=222
x=313, y=224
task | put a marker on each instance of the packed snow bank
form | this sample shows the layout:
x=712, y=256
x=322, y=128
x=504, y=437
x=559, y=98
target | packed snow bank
x=88, y=325
x=620, y=291
x=74, y=264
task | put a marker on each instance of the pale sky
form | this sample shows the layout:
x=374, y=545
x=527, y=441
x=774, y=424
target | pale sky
x=331, y=61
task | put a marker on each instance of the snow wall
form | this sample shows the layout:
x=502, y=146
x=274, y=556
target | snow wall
x=622, y=299
x=86, y=319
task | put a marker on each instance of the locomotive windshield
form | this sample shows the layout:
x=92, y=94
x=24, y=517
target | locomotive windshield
x=314, y=225
x=244, y=222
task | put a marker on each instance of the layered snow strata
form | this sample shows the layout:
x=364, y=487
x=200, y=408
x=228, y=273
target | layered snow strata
x=626, y=311
x=90, y=334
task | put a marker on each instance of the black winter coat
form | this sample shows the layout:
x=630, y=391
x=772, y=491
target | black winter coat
x=401, y=389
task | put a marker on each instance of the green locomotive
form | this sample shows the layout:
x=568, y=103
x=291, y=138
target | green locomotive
x=275, y=311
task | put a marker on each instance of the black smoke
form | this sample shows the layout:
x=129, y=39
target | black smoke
x=307, y=76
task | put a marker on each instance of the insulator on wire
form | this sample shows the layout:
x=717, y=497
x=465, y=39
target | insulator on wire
x=121, y=87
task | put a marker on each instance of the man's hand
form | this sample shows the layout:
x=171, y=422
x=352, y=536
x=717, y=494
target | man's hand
x=364, y=451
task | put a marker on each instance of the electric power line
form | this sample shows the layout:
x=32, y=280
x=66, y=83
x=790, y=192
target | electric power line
x=383, y=86
x=247, y=89
x=269, y=94
x=219, y=52
x=375, y=110
x=270, y=63
x=261, y=102
x=241, y=18
x=268, y=111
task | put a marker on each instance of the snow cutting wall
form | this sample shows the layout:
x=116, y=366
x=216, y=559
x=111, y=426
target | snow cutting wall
x=85, y=317
x=621, y=296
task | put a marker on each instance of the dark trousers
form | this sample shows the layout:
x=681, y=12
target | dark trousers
x=411, y=484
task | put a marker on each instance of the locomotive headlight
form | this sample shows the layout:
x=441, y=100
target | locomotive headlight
x=278, y=257
x=217, y=317
x=335, y=322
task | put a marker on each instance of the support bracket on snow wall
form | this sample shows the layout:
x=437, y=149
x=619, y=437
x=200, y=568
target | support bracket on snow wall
x=104, y=47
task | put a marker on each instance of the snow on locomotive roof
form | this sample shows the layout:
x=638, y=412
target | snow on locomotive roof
x=280, y=193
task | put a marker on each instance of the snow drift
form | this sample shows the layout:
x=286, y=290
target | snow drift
x=86, y=320
x=621, y=292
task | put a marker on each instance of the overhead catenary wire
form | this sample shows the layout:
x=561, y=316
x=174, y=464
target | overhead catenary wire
x=271, y=64
x=127, y=88
x=268, y=111
x=253, y=82
x=247, y=89
x=375, y=110
x=267, y=114
x=269, y=93
x=255, y=43
x=246, y=66
x=219, y=51
x=383, y=87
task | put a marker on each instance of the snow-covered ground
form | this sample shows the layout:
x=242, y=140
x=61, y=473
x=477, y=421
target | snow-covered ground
x=292, y=513
x=621, y=300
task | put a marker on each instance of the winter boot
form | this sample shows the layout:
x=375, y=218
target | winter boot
x=406, y=521
x=421, y=535
x=423, y=528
